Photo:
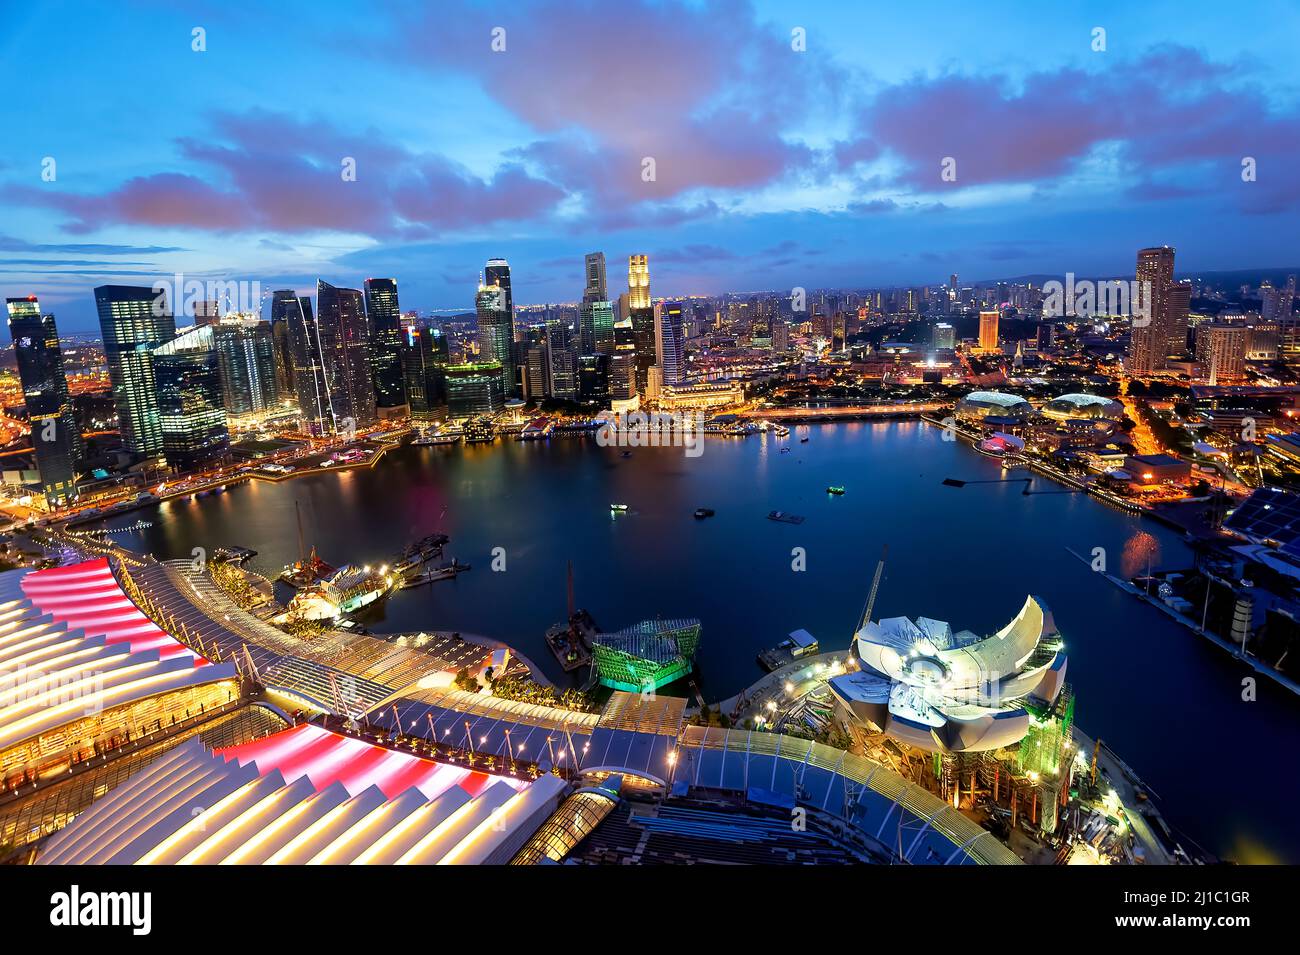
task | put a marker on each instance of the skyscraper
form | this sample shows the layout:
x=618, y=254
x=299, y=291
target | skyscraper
x=474, y=389
x=133, y=321
x=56, y=437
x=594, y=269
x=496, y=323
x=1178, y=305
x=1221, y=351
x=191, y=412
x=989, y=330
x=497, y=272
x=341, y=319
x=385, y=321
x=311, y=385
x=425, y=359
x=669, y=344
x=284, y=306
x=1149, y=344
x=593, y=379
x=246, y=359
x=638, y=281
x=945, y=336
x=643, y=317
x=562, y=359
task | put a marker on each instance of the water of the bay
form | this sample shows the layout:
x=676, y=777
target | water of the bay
x=1167, y=701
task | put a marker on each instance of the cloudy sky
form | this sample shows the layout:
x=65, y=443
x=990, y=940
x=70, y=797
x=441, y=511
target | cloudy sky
x=772, y=166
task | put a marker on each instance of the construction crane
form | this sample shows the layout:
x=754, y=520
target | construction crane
x=871, y=597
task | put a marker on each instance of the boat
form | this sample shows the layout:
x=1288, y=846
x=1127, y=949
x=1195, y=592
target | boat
x=803, y=440
x=627, y=454
x=785, y=450
x=618, y=507
x=703, y=512
x=302, y=573
x=835, y=489
x=781, y=431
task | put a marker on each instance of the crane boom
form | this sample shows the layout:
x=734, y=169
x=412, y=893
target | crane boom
x=875, y=588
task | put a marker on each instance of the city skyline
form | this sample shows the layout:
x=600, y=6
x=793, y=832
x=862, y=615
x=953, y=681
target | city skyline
x=781, y=159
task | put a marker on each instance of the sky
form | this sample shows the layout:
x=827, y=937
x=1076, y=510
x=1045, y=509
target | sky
x=741, y=145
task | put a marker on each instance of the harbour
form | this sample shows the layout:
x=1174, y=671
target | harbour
x=902, y=500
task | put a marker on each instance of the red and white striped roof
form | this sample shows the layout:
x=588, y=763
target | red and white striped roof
x=87, y=596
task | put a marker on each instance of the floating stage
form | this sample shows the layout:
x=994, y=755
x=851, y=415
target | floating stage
x=647, y=655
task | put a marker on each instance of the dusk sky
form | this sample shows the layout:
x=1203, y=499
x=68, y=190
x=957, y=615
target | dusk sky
x=773, y=167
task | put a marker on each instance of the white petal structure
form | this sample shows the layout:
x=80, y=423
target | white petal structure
x=939, y=690
x=306, y=796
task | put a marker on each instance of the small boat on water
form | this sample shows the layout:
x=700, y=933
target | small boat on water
x=803, y=440
x=620, y=508
x=835, y=489
x=702, y=512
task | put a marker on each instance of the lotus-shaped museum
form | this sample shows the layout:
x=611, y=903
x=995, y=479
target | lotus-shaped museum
x=940, y=690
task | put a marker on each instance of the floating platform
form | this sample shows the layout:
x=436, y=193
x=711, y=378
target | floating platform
x=441, y=572
x=785, y=518
x=702, y=512
x=571, y=643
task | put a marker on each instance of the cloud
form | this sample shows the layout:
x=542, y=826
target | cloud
x=251, y=184
x=1171, y=111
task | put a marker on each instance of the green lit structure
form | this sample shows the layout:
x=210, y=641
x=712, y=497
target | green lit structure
x=646, y=655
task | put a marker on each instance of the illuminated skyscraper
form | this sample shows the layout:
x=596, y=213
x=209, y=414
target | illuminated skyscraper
x=989, y=331
x=945, y=336
x=496, y=326
x=134, y=321
x=669, y=343
x=638, y=281
x=425, y=359
x=497, y=272
x=593, y=379
x=284, y=306
x=344, y=345
x=1221, y=351
x=191, y=411
x=474, y=389
x=246, y=358
x=1178, y=305
x=642, y=316
x=311, y=385
x=594, y=268
x=385, y=345
x=56, y=438
x=1149, y=344
x=562, y=359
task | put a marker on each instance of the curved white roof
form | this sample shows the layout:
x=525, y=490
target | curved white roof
x=954, y=690
x=269, y=811
x=72, y=643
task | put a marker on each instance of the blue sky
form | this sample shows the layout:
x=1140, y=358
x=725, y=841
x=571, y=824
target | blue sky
x=773, y=167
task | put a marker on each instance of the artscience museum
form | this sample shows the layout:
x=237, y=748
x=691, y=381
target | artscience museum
x=941, y=690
